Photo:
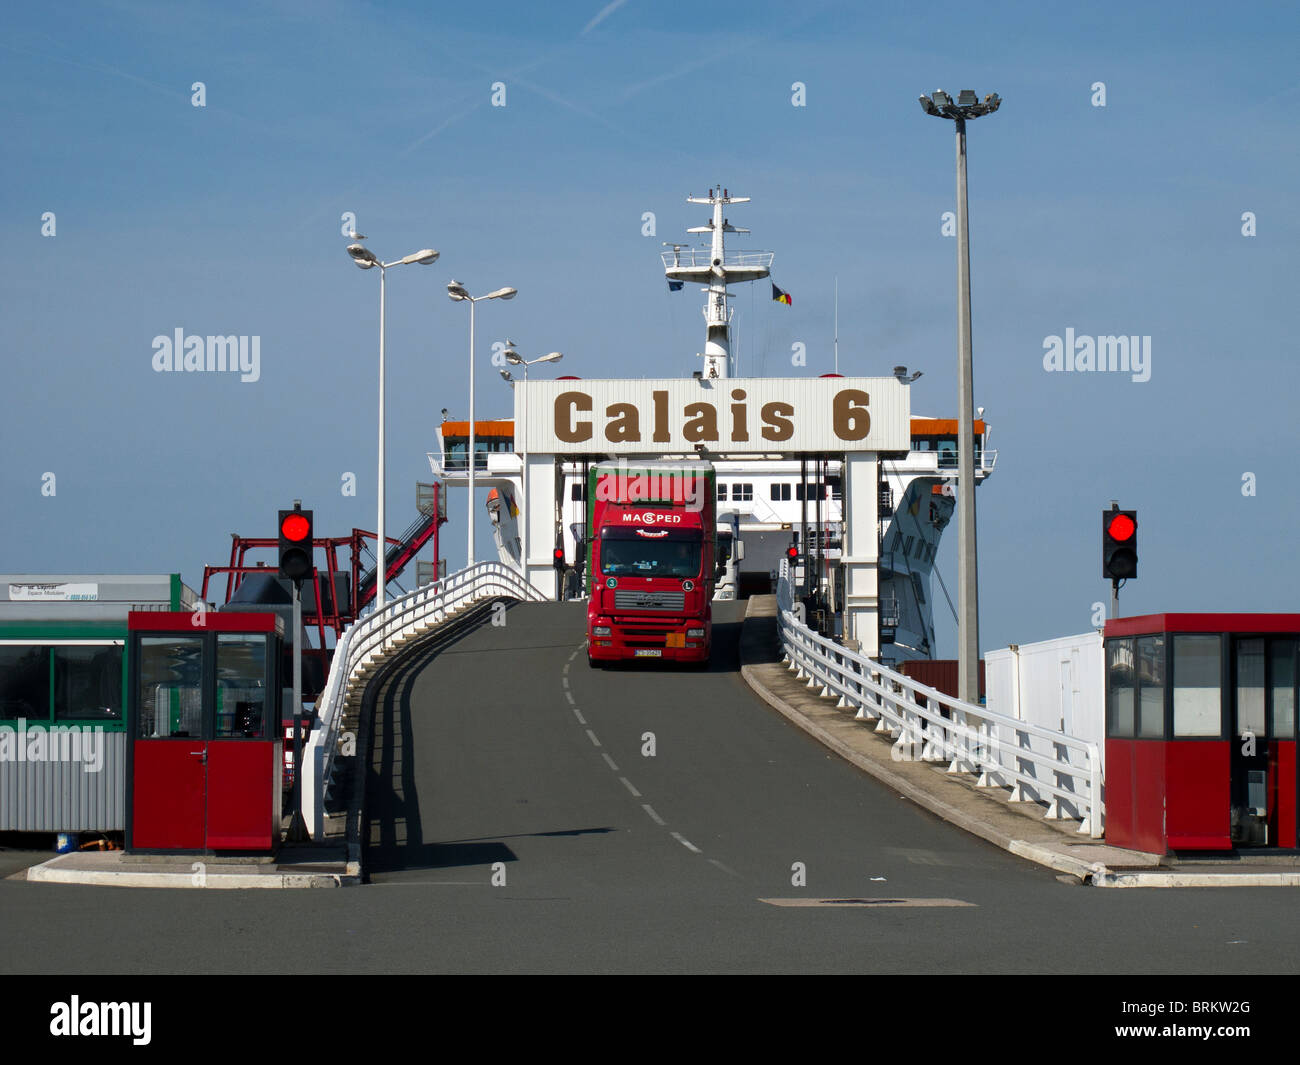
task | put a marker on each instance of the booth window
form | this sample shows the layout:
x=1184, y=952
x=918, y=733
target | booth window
x=1252, y=713
x=24, y=682
x=1151, y=687
x=87, y=683
x=1281, y=654
x=1121, y=694
x=241, y=687
x=1197, y=680
x=171, y=687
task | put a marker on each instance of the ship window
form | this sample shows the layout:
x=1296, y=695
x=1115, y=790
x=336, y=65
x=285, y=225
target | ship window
x=918, y=588
x=742, y=492
x=722, y=492
x=576, y=493
x=781, y=492
x=907, y=545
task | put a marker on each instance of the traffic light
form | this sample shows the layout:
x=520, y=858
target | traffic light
x=1119, y=560
x=295, y=543
x=557, y=558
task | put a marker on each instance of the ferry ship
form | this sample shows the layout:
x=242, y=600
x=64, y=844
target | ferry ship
x=768, y=503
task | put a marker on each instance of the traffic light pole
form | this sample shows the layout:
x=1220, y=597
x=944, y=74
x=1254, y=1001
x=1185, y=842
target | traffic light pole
x=297, y=826
x=1114, y=599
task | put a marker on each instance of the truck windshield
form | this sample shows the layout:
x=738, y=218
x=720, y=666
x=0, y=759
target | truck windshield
x=649, y=558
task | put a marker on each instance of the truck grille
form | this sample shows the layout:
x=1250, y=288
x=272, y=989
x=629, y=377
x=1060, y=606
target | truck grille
x=630, y=600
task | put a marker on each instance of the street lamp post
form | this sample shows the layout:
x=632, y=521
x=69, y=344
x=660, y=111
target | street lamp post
x=457, y=291
x=515, y=359
x=366, y=259
x=968, y=106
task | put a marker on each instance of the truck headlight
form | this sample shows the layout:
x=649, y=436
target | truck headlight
x=698, y=633
x=600, y=630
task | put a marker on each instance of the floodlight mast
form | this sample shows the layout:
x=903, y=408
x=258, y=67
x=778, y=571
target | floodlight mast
x=968, y=106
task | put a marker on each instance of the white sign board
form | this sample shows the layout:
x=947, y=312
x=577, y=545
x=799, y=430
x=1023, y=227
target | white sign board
x=53, y=593
x=725, y=415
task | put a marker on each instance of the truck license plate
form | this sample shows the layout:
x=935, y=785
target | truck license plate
x=648, y=652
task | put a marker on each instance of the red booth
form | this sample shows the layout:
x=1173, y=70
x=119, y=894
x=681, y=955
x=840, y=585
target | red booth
x=204, y=759
x=1201, y=731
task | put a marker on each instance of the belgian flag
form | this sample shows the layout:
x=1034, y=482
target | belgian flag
x=781, y=297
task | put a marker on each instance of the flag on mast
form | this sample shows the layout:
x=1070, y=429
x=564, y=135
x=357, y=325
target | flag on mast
x=781, y=297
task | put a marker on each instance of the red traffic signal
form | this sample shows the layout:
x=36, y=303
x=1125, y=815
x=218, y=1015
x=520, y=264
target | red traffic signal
x=295, y=528
x=1121, y=527
x=1119, y=544
x=557, y=558
x=792, y=553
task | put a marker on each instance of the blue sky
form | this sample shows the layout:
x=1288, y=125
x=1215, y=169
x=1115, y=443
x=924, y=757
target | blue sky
x=1122, y=219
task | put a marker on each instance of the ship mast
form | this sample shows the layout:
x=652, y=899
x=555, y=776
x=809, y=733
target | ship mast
x=717, y=269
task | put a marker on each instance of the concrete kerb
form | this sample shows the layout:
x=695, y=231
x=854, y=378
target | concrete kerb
x=756, y=659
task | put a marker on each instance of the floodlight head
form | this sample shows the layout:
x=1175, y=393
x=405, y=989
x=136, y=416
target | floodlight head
x=927, y=105
x=992, y=102
x=967, y=98
x=554, y=356
x=457, y=291
x=362, y=256
x=942, y=99
x=513, y=357
x=506, y=293
x=423, y=257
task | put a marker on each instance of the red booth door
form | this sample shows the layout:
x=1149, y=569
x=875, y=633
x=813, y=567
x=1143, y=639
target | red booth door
x=243, y=795
x=168, y=784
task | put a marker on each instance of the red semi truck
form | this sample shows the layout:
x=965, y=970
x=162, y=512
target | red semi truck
x=651, y=535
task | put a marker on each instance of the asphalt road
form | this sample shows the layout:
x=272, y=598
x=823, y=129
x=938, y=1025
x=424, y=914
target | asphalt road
x=505, y=757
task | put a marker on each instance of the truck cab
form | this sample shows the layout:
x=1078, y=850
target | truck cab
x=651, y=562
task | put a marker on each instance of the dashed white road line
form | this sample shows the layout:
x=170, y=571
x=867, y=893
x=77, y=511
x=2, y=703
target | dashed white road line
x=685, y=842
x=650, y=811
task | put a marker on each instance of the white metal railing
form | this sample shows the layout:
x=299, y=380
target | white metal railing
x=368, y=639
x=1037, y=763
x=692, y=258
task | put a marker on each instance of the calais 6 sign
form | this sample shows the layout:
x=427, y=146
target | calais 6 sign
x=725, y=415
